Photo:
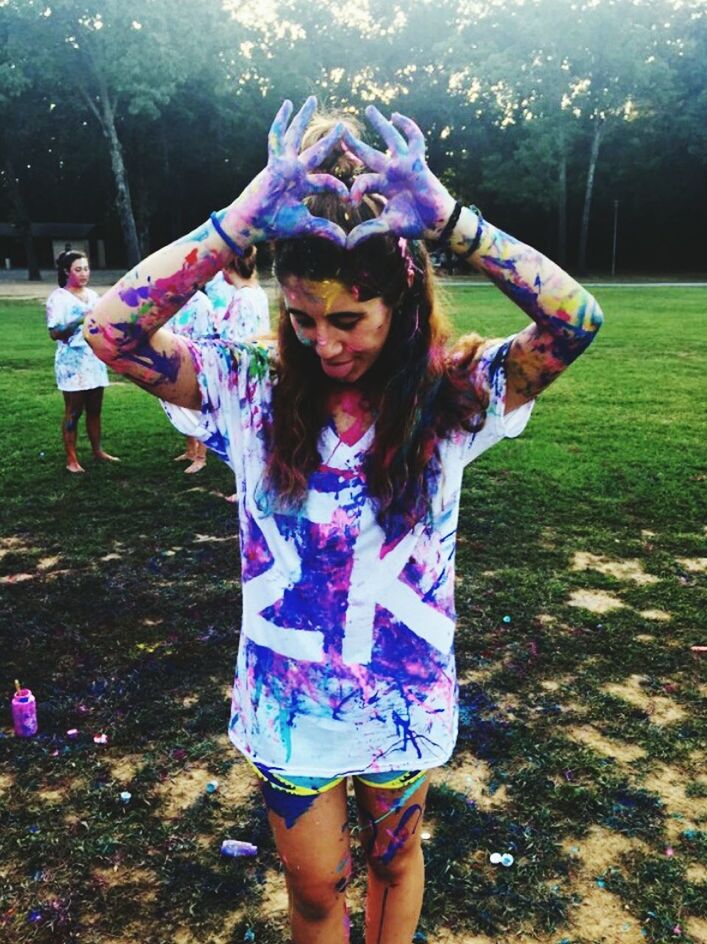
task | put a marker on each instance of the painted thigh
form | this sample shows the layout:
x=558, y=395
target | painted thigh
x=313, y=841
x=390, y=836
x=94, y=401
x=74, y=402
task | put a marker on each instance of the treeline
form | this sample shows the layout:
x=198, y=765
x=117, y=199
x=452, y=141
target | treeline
x=557, y=118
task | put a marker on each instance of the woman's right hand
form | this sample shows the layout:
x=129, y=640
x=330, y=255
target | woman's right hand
x=272, y=206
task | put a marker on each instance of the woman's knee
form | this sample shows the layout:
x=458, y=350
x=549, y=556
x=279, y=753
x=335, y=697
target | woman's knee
x=394, y=860
x=315, y=897
x=72, y=415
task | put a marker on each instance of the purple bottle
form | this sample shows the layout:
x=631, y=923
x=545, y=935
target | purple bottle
x=234, y=848
x=24, y=712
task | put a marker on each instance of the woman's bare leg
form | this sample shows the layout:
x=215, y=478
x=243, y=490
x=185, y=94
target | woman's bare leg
x=396, y=868
x=189, y=453
x=312, y=839
x=73, y=408
x=198, y=455
x=94, y=403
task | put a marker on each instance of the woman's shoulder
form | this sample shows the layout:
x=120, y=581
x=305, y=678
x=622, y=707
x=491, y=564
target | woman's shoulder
x=58, y=299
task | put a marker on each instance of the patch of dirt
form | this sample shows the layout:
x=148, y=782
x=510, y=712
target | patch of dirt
x=644, y=637
x=607, y=919
x=124, y=769
x=182, y=789
x=596, y=601
x=693, y=565
x=142, y=883
x=661, y=710
x=552, y=685
x=659, y=615
x=696, y=928
x=621, y=751
x=683, y=812
x=472, y=780
x=599, y=911
x=599, y=850
x=6, y=782
x=186, y=786
x=621, y=569
x=482, y=674
x=275, y=902
x=697, y=873
x=224, y=935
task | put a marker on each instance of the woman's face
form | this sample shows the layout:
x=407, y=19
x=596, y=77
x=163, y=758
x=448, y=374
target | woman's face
x=79, y=273
x=347, y=335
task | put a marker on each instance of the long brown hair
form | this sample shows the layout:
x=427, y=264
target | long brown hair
x=418, y=387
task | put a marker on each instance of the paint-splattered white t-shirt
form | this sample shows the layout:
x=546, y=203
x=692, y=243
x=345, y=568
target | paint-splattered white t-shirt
x=241, y=313
x=75, y=365
x=346, y=662
x=195, y=319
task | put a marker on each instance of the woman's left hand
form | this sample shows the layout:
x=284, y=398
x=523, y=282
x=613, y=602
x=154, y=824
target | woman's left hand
x=418, y=205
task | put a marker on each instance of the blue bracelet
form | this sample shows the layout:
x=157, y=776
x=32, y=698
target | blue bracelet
x=224, y=236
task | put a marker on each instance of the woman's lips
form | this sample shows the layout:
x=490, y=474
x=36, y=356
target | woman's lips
x=336, y=369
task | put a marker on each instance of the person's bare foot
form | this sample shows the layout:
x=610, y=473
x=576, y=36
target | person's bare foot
x=105, y=456
x=73, y=466
x=196, y=466
x=184, y=457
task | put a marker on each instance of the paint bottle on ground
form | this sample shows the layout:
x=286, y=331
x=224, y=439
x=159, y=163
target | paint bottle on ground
x=234, y=848
x=24, y=712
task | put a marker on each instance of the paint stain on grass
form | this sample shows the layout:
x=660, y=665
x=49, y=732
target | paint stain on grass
x=620, y=569
x=596, y=601
x=660, y=709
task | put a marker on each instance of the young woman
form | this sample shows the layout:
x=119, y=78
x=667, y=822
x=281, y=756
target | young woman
x=79, y=374
x=348, y=440
x=195, y=320
x=240, y=303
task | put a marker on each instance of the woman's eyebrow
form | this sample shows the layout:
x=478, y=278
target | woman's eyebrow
x=329, y=314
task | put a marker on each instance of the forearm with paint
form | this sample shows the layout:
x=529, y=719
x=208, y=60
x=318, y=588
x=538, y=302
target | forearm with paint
x=63, y=334
x=558, y=304
x=121, y=326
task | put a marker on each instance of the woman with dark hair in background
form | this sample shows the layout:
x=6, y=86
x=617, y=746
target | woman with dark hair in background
x=80, y=375
x=240, y=303
x=348, y=439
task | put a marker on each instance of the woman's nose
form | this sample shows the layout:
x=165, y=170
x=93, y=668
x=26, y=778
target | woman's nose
x=326, y=341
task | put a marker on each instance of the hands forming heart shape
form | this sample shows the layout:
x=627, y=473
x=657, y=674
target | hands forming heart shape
x=272, y=206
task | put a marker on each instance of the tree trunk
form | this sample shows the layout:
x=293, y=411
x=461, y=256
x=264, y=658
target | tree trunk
x=23, y=224
x=584, y=232
x=562, y=206
x=125, y=207
x=105, y=114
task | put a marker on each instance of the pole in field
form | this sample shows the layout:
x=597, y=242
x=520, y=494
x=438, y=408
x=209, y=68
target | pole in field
x=616, y=229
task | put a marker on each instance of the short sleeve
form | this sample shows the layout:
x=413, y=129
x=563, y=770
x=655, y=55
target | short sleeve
x=230, y=378
x=491, y=374
x=55, y=310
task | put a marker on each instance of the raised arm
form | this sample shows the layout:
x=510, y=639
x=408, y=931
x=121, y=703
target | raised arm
x=125, y=328
x=565, y=316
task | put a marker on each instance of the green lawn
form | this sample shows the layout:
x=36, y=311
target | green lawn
x=581, y=746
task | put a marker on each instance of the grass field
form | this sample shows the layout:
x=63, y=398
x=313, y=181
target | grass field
x=581, y=566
